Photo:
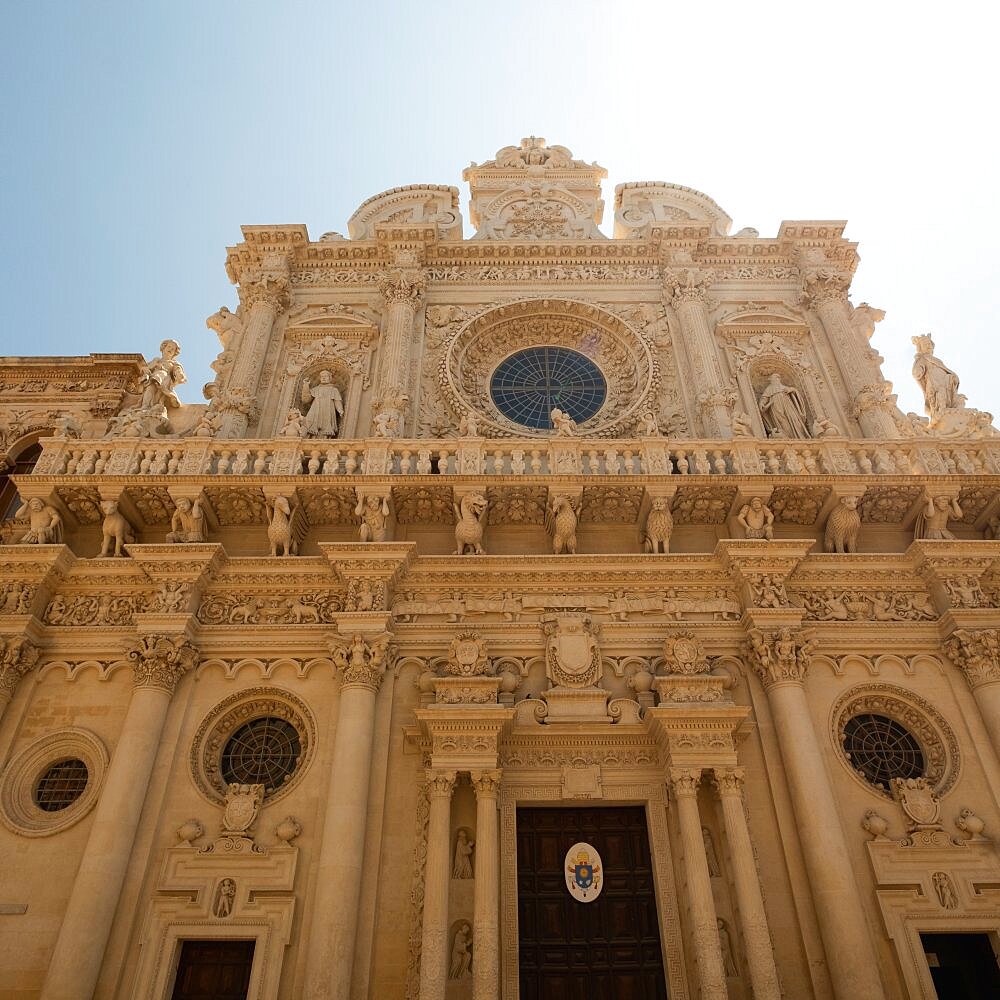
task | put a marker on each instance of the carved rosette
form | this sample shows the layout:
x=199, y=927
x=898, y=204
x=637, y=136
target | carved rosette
x=160, y=661
x=17, y=657
x=976, y=652
x=780, y=656
x=362, y=662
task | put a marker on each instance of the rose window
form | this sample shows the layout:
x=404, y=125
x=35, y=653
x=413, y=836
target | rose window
x=881, y=749
x=528, y=385
x=264, y=752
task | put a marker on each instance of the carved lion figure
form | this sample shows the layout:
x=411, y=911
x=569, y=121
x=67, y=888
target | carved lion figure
x=115, y=529
x=659, y=527
x=842, y=526
x=470, y=514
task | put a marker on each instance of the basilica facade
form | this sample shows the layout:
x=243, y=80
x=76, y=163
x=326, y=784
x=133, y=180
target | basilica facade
x=524, y=614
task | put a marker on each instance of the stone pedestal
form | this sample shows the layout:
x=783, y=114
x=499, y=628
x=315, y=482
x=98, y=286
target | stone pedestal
x=588, y=704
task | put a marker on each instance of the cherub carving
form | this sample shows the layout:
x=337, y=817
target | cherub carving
x=563, y=425
x=294, y=425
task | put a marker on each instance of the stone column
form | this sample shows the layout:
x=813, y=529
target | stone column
x=780, y=659
x=264, y=293
x=687, y=290
x=402, y=286
x=333, y=925
x=437, y=883
x=486, y=926
x=17, y=657
x=749, y=901
x=976, y=652
x=158, y=663
x=870, y=399
x=704, y=922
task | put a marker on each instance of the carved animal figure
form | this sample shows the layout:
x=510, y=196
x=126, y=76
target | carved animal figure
x=284, y=530
x=560, y=521
x=470, y=514
x=246, y=613
x=115, y=529
x=842, y=526
x=226, y=324
x=301, y=612
x=659, y=527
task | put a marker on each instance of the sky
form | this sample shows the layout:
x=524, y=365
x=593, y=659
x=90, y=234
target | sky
x=137, y=138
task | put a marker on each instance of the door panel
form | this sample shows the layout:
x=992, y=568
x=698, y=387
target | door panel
x=608, y=949
x=213, y=970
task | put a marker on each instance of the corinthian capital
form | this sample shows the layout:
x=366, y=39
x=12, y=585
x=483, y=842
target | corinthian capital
x=266, y=282
x=160, y=661
x=780, y=655
x=486, y=783
x=684, y=781
x=403, y=281
x=976, y=652
x=729, y=780
x=824, y=285
x=17, y=657
x=686, y=284
x=363, y=661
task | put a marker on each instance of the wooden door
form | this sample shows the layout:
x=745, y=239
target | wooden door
x=214, y=970
x=608, y=949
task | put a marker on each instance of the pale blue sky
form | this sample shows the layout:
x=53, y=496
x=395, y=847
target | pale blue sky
x=138, y=137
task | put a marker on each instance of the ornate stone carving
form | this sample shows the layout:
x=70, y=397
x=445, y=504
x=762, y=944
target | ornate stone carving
x=943, y=404
x=242, y=806
x=461, y=954
x=971, y=825
x=93, y=609
x=919, y=803
x=560, y=522
x=470, y=516
x=41, y=523
x=659, y=526
x=115, y=530
x=462, y=864
x=875, y=825
x=932, y=521
x=187, y=523
x=767, y=591
x=976, y=652
x=374, y=513
x=780, y=656
x=843, y=526
x=861, y=605
x=17, y=656
x=783, y=410
x=467, y=656
x=306, y=608
x=572, y=653
x=363, y=662
x=225, y=898
x=683, y=653
x=16, y=598
x=757, y=520
x=286, y=527
x=160, y=661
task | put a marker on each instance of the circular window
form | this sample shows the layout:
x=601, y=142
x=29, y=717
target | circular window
x=262, y=736
x=882, y=731
x=52, y=783
x=61, y=784
x=264, y=752
x=881, y=749
x=528, y=385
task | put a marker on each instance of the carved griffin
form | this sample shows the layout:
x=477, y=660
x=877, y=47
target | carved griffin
x=470, y=513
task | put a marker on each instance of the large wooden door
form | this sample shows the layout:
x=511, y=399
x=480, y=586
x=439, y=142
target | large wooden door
x=608, y=949
x=214, y=970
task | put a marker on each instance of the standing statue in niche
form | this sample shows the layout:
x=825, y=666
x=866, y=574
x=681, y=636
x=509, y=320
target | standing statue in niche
x=782, y=409
x=461, y=957
x=326, y=407
x=938, y=382
x=462, y=867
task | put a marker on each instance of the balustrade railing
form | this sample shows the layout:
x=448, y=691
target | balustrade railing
x=517, y=457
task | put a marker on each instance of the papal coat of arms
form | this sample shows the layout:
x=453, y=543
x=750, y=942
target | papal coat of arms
x=572, y=655
x=584, y=873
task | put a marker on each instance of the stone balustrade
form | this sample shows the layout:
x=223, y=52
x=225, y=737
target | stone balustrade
x=517, y=457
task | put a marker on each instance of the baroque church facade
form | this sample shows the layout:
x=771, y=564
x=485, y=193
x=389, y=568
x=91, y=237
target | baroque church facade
x=531, y=615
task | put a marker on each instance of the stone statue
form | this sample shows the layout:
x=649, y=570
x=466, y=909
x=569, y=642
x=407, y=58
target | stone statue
x=225, y=896
x=468, y=426
x=374, y=514
x=462, y=867
x=114, y=529
x=711, y=857
x=470, y=515
x=45, y=525
x=938, y=382
x=461, y=957
x=970, y=824
x=560, y=522
x=188, y=522
x=659, y=526
x=741, y=425
x=932, y=521
x=783, y=410
x=649, y=426
x=823, y=427
x=945, y=891
x=843, y=526
x=294, y=425
x=757, y=520
x=285, y=528
x=726, y=946
x=162, y=374
x=562, y=423
x=326, y=407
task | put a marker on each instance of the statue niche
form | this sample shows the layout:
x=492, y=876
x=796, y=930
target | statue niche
x=317, y=411
x=786, y=408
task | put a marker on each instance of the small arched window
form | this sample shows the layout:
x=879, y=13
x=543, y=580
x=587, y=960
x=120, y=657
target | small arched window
x=25, y=461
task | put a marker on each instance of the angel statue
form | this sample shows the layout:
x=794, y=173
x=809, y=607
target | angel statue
x=327, y=406
x=161, y=376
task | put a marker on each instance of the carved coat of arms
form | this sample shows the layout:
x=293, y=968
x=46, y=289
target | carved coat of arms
x=572, y=655
x=467, y=656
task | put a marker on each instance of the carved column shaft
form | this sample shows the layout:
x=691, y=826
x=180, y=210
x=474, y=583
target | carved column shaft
x=83, y=936
x=850, y=956
x=486, y=927
x=976, y=652
x=705, y=928
x=692, y=312
x=402, y=288
x=333, y=927
x=437, y=882
x=750, y=902
x=858, y=371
